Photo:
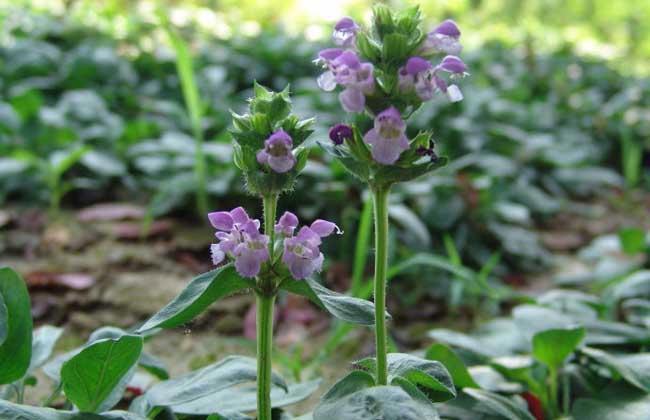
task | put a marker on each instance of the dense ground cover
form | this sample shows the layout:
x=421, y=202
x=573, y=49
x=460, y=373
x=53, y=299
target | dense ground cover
x=541, y=142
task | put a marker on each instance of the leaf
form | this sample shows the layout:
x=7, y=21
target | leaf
x=453, y=363
x=10, y=410
x=531, y=319
x=91, y=377
x=633, y=368
x=356, y=397
x=428, y=375
x=390, y=174
x=43, y=343
x=202, y=291
x=636, y=284
x=553, y=346
x=500, y=405
x=16, y=350
x=103, y=163
x=632, y=240
x=61, y=161
x=221, y=387
x=614, y=402
x=343, y=307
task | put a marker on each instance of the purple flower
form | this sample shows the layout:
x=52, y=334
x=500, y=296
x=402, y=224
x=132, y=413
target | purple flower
x=301, y=252
x=277, y=152
x=287, y=224
x=345, y=32
x=387, y=138
x=420, y=75
x=344, y=68
x=339, y=133
x=239, y=238
x=444, y=38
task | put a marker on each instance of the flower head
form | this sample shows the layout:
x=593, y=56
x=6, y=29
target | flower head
x=387, y=137
x=420, y=75
x=444, y=38
x=339, y=133
x=345, y=32
x=240, y=239
x=302, y=252
x=277, y=152
x=344, y=68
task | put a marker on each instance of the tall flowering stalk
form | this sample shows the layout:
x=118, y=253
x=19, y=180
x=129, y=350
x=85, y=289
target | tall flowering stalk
x=268, y=151
x=385, y=73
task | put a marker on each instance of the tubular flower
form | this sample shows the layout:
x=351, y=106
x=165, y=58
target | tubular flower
x=277, y=152
x=344, y=68
x=420, y=75
x=345, y=32
x=444, y=38
x=302, y=254
x=387, y=138
x=240, y=239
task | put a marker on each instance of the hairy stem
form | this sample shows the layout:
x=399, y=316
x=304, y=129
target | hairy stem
x=270, y=203
x=264, y=351
x=380, y=199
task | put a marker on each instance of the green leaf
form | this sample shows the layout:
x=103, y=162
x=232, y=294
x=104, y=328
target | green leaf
x=552, y=347
x=61, y=161
x=16, y=350
x=227, y=388
x=614, y=402
x=632, y=240
x=356, y=397
x=500, y=405
x=636, y=284
x=359, y=169
x=202, y=291
x=10, y=410
x=453, y=363
x=343, y=307
x=94, y=379
x=429, y=375
x=633, y=368
x=391, y=174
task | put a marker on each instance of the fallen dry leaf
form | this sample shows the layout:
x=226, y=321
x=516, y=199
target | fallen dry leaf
x=75, y=281
x=110, y=211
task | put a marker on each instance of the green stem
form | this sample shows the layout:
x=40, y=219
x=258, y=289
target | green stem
x=566, y=393
x=380, y=199
x=264, y=351
x=270, y=203
x=553, y=391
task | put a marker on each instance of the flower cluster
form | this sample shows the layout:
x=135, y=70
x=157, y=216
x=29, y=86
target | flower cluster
x=388, y=72
x=302, y=254
x=240, y=240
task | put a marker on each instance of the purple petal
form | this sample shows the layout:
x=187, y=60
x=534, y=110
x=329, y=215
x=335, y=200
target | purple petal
x=352, y=100
x=345, y=24
x=385, y=150
x=239, y=215
x=324, y=228
x=452, y=64
x=247, y=265
x=454, y=94
x=416, y=65
x=262, y=157
x=279, y=137
x=329, y=54
x=326, y=81
x=348, y=59
x=448, y=28
x=282, y=164
x=221, y=220
x=339, y=133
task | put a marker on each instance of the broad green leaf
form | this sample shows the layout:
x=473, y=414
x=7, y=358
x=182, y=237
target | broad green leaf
x=13, y=411
x=453, y=363
x=220, y=387
x=531, y=319
x=202, y=291
x=61, y=161
x=429, y=375
x=16, y=350
x=343, y=307
x=356, y=397
x=552, y=347
x=633, y=368
x=500, y=405
x=615, y=402
x=94, y=379
x=43, y=343
x=634, y=285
